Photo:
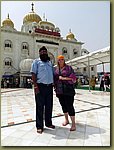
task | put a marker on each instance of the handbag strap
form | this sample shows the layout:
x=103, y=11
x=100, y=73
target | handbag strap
x=59, y=71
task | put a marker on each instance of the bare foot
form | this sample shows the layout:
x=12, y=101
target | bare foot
x=65, y=123
x=73, y=128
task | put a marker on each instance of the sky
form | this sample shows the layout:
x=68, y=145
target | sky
x=89, y=21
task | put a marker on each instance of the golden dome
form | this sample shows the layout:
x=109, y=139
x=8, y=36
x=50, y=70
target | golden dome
x=8, y=22
x=70, y=35
x=31, y=17
x=46, y=23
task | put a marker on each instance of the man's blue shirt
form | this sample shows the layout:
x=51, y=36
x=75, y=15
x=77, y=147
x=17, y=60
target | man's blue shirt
x=43, y=71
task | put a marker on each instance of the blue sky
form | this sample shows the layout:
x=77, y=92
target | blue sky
x=88, y=20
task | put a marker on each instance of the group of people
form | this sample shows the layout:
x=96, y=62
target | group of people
x=5, y=83
x=45, y=77
x=104, y=83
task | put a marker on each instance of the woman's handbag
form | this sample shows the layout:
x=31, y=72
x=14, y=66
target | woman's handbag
x=59, y=88
x=68, y=89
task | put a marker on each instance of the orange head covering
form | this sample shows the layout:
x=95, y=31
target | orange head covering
x=60, y=57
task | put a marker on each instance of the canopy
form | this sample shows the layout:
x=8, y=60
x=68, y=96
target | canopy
x=98, y=57
x=94, y=58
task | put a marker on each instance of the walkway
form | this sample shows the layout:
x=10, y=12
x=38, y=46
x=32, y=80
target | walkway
x=18, y=120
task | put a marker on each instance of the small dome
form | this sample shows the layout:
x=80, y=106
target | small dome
x=8, y=22
x=31, y=17
x=25, y=65
x=70, y=36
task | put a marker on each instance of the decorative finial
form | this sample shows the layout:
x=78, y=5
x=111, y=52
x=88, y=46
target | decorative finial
x=46, y=19
x=70, y=30
x=32, y=7
x=8, y=15
x=44, y=16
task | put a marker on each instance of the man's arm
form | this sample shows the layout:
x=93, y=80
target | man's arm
x=34, y=79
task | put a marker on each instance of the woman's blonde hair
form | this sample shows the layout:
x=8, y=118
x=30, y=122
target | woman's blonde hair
x=60, y=57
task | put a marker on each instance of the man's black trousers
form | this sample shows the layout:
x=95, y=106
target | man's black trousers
x=44, y=99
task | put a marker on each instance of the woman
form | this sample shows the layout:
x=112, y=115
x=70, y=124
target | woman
x=64, y=75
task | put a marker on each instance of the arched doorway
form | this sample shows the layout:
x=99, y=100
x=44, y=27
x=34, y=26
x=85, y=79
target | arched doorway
x=52, y=58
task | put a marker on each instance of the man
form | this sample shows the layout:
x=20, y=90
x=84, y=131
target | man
x=42, y=76
x=102, y=83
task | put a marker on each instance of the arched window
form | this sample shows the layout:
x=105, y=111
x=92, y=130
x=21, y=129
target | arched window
x=84, y=68
x=64, y=50
x=47, y=27
x=92, y=68
x=42, y=27
x=24, y=45
x=8, y=44
x=7, y=61
x=75, y=52
x=25, y=48
x=52, y=58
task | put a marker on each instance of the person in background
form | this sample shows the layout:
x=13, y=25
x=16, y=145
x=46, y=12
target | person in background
x=2, y=83
x=102, y=83
x=106, y=83
x=42, y=77
x=93, y=82
x=5, y=84
x=64, y=73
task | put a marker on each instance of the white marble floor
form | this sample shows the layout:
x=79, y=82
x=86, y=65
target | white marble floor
x=18, y=120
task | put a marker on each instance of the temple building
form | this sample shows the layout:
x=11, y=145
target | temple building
x=20, y=48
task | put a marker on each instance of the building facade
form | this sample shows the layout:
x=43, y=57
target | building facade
x=20, y=48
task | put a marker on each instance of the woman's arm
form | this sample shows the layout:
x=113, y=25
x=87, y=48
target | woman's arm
x=71, y=77
x=64, y=78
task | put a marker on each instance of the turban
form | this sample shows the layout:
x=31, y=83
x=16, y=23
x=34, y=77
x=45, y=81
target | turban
x=42, y=48
x=60, y=57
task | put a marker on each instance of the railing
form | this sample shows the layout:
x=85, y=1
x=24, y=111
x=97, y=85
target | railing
x=37, y=30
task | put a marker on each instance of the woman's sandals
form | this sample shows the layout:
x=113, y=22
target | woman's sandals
x=71, y=129
x=65, y=123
